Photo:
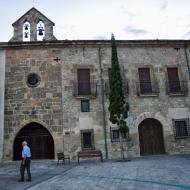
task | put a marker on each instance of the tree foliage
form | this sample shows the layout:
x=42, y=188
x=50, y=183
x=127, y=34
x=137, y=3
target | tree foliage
x=118, y=106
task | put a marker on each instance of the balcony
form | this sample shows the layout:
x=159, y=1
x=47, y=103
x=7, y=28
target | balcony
x=125, y=88
x=84, y=89
x=176, y=88
x=147, y=88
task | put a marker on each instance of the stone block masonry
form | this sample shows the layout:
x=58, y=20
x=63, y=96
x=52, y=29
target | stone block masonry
x=2, y=81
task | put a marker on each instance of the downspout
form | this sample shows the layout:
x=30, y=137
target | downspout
x=103, y=103
x=187, y=60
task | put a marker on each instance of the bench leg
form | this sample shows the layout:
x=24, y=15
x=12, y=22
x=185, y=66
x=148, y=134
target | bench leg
x=57, y=162
x=78, y=160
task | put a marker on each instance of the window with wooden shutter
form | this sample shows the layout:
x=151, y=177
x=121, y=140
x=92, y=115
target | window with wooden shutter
x=173, y=80
x=83, y=76
x=145, y=80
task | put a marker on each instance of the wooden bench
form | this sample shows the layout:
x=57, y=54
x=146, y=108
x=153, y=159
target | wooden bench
x=89, y=154
x=61, y=156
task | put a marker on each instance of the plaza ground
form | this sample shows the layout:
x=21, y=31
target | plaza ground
x=144, y=173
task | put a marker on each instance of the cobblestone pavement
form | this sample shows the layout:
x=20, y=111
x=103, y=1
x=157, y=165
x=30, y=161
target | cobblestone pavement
x=144, y=173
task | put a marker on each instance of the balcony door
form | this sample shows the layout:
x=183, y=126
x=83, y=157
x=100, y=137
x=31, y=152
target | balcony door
x=83, y=76
x=145, y=81
x=173, y=80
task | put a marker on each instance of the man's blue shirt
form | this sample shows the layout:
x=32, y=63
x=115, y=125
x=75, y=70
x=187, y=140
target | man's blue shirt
x=26, y=152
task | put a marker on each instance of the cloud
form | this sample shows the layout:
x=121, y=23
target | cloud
x=164, y=6
x=127, y=12
x=186, y=35
x=135, y=31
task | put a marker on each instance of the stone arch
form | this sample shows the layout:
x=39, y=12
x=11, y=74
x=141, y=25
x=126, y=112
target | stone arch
x=39, y=139
x=151, y=139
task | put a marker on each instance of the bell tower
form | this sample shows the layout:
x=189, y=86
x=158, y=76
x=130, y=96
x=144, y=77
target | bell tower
x=33, y=26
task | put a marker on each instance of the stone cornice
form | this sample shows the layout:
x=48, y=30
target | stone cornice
x=120, y=43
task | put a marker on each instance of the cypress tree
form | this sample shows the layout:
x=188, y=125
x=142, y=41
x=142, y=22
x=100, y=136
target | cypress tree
x=118, y=106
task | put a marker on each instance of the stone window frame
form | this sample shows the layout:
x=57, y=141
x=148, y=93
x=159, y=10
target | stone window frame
x=180, y=75
x=83, y=107
x=113, y=139
x=153, y=78
x=82, y=66
x=93, y=79
x=92, y=138
x=31, y=85
x=187, y=128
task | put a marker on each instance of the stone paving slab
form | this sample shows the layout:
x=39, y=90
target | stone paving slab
x=144, y=173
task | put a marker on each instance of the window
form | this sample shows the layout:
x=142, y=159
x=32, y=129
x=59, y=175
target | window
x=173, y=80
x=181, y=128
x=85, y=105
x=115, y=135
x=87, y=139
x=83, y=76
x=33, y=80
x=145, y=81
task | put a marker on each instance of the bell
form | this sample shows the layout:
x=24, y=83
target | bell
x=26, y=27
x=40, y=31
x=26, y=34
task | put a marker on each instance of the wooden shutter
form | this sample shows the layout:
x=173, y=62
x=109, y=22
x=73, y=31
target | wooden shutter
x=83, y=81
x=173, y=79
x=145, y=81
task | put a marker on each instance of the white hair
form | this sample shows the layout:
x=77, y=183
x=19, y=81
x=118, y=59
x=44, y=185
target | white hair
x=24, y=143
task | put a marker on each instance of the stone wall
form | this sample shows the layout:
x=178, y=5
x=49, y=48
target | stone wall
x=2, y=81
x=59, y=110
x=161, y=107
x=41, y=104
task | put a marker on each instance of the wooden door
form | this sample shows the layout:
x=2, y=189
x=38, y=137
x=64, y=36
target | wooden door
x=151, y=137
x=173, y=80
x=145, y=81
x=39, y=140
x=83, y=81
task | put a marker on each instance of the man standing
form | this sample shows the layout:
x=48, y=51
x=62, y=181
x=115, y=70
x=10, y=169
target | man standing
x=25, y=163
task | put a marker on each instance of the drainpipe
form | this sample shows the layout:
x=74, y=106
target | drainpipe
x=103, y=102
x=187, y=60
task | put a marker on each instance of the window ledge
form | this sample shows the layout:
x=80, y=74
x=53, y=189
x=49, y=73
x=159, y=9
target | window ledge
x=85, y=97
x=149, y=95
x=177, y=94
x=182, y=137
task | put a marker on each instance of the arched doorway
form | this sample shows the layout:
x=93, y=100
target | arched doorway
x=39, y=139
x=151, y=137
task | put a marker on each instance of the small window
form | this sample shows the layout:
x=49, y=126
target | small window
x=85, y=105
x=33, y=80
x=87, y=139
x=181, y=128
x=115, y=135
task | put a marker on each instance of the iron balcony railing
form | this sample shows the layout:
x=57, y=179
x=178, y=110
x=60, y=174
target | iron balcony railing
x=147, y=88
x=176, y=87
x=84, y=89
x=125, y=88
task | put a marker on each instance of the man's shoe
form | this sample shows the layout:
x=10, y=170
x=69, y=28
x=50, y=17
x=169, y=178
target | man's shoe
x=21, y=180
x=29, y=180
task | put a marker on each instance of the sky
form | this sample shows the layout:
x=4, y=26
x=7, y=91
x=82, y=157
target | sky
x=97, y=19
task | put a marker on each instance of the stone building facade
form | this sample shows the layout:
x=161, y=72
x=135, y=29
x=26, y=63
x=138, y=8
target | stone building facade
x=56, y=94
x=2, y=89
